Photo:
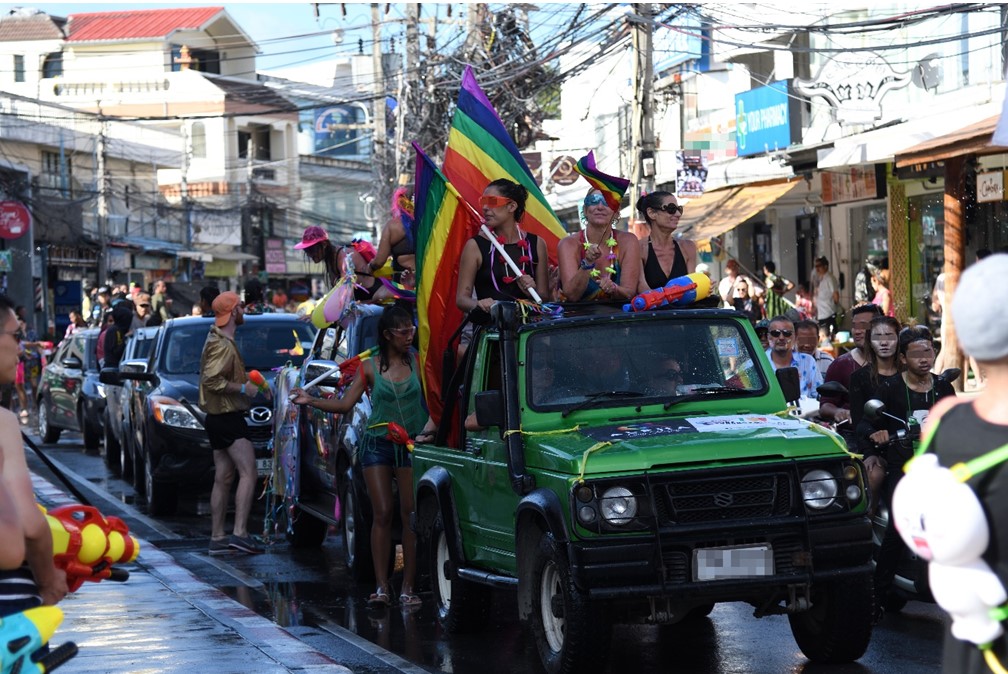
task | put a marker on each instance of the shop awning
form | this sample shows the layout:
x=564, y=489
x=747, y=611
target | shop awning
x=972, y=139
x=719, y=211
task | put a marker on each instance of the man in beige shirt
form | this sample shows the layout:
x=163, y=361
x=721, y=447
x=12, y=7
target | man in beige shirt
x=224, y=394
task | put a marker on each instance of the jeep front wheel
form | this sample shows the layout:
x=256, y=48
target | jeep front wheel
x=571, y=634
x=462, y=606
x=838, y=627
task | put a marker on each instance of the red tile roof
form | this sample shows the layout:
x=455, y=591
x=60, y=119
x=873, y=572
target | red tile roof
x=37, y=27
x=139, y=24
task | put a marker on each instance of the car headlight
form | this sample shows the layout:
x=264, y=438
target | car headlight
x=618, y=505
x=101, y=390
x=819, y=489
x=171, y=412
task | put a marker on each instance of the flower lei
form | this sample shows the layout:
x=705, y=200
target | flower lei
x=522, y=261
x=611, y=257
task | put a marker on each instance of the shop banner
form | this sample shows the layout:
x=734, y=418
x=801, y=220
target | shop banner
x=990, y=186
x=767, y=119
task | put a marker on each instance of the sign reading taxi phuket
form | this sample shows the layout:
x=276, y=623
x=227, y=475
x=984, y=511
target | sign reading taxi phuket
x=15, y=219
x=854, y=86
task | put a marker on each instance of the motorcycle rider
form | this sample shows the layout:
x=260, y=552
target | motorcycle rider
x=908, y=397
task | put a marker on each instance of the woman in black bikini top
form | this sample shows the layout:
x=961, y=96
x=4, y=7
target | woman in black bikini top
x=662, y=212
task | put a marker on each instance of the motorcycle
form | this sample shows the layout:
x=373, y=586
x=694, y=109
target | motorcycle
x=911, y=579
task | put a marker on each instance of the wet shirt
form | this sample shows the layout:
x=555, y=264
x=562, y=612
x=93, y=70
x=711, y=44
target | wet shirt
x=221, y=363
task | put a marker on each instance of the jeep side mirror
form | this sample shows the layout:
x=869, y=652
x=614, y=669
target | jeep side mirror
x=73, y=363
x=319, y=368
x=950, y=375
x=831, y=388
x=790, y=383
x=490, y=408
x=110, y=376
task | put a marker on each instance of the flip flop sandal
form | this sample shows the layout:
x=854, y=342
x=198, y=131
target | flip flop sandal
x=378, y=599
x=410, y=600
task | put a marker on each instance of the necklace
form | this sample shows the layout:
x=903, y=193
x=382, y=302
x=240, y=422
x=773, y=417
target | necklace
x=610, y=258
x=929, y=396
x=523, y=260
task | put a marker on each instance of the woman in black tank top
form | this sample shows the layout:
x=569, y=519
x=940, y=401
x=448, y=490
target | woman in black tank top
x=661, y=250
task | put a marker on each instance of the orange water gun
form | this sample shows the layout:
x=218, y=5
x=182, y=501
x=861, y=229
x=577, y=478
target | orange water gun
x=86, y=544
x=257, y=378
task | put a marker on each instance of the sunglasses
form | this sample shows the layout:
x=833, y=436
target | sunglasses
x=672, y=209
x=145, y=306
x=493, y=201
x=402, y=332
x=595, y=199
x=17, y=334
x=781, y=333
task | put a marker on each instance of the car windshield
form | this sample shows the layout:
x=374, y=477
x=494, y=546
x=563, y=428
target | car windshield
x=91, y=352
x=619, y=363
x=263, y=345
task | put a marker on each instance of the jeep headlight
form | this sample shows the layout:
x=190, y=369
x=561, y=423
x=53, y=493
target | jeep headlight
x=100, y=388
x=171, y=412
x=618, y=506
x=819, y=489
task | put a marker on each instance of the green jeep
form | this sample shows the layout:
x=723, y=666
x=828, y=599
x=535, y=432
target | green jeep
x=639, y=468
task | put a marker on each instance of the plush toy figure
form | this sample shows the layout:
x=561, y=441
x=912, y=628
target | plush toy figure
x=940, y=518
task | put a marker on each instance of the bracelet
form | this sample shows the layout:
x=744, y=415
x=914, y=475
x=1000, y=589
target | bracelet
x=242, y=389
x=586, y=265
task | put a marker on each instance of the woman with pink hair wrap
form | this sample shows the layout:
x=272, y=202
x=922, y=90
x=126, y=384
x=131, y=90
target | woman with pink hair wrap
x=397, y=240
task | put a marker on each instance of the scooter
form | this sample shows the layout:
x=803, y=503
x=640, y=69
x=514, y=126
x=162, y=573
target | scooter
x=911, y=579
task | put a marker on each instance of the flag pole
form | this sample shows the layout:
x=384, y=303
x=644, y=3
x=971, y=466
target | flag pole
x=496, y=244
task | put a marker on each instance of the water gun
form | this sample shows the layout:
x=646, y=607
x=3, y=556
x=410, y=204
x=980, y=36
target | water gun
x=22, y=634
x=680, y=290
x=257, y=378
x=348, y=368
x=86, y=544
x=397, y=434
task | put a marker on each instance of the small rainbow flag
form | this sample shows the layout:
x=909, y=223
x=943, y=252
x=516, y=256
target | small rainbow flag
x=611, y=187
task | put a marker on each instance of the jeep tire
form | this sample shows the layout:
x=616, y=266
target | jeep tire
x=838, y=626
x=462, y=606
x=570, y=633
x=49, y=433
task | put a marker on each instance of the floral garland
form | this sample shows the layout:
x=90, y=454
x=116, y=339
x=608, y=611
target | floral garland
x=523, y=260
x=611, y=257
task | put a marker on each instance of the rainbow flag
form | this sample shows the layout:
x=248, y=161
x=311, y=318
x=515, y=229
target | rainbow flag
x=480, y=151
x=442, y=225
x=611, y=187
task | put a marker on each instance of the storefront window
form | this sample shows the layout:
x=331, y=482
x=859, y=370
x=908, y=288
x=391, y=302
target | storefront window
x=927, y=250
x=869, y=231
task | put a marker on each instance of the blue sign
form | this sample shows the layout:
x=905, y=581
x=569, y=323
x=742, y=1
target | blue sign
x=767, y=119
x=338, y=130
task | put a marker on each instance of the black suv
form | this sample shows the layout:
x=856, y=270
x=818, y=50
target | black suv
x=70, y=397
x=172, y=449
x=119, y=433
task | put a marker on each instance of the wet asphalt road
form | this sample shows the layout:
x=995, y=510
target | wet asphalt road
x=308, y=592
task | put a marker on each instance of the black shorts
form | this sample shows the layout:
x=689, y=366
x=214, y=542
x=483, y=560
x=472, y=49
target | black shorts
x=224, y=429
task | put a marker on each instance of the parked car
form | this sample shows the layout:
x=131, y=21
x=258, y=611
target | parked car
x=319, y=478
x=70, y=395
x=171, y=447
x=118, y=423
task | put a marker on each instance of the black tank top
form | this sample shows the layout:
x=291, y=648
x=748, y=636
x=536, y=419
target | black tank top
x=484, y=282
x=653, y=274
x=991, y=486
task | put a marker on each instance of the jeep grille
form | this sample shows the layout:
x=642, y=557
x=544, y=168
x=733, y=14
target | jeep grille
x=725, y=498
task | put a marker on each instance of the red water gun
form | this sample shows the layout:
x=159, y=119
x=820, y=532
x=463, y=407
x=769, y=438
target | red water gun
x=256, y=377
x=86, y=544
x=680, y=290
x=398, y=435
x=348, y=368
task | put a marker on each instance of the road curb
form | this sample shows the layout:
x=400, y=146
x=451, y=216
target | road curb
x=273, y=641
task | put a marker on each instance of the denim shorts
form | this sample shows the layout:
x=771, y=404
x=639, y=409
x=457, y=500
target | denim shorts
x=379, y=451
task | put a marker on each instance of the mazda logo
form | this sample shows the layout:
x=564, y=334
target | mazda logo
x=261, y=415
x=723, y=499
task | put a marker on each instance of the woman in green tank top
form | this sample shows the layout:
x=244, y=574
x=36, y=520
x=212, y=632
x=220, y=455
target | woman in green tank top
x=393, y=380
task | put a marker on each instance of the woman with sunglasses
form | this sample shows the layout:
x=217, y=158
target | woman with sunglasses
x=599, y=263
x=661, y=251
x=393, y=379
x=484, y=276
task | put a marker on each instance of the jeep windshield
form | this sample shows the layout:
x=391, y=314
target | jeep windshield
x=264, y=345
x=639, y=362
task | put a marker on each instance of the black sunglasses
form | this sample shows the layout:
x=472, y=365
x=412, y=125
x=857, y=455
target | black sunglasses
x=672, y=209
x=779, y=333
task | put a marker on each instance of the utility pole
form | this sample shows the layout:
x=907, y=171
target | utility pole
x=379, y=140
x=410, y=97
x=186, y=210
x=642, y=138
x=103, y=190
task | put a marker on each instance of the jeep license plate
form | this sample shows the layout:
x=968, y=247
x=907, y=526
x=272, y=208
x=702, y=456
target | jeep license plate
x=732, y=562
x=264, y=466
